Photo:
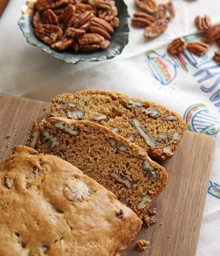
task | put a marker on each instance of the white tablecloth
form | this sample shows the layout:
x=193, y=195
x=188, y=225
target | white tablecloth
x=188, y=85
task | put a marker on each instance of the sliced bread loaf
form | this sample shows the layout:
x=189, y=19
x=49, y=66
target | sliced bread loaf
x=151, y=126
x=118, y=164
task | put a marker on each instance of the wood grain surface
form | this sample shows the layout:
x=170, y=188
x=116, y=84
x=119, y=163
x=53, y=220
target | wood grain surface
x=180, y=207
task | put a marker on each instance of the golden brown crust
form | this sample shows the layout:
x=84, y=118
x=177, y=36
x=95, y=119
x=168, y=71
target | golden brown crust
x=151, y=126
x=48, y=206
x=116, y=163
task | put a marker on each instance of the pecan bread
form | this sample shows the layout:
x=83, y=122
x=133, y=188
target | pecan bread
x=153, y=127
x=116, y=163
x=49, y=207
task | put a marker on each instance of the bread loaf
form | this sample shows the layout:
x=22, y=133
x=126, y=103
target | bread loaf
x=151, y=126
x=49, y=207
x=118, y=164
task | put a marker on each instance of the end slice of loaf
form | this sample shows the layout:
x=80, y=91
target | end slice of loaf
x=49, y=207
x=119, y=165
x=151, y=126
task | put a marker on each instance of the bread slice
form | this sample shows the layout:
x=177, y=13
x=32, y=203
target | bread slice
x=49, y=207
x=119, y=165
x=151, y=126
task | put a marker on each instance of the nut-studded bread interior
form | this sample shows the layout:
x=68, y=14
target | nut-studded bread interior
x=119, y=165
x=151, y=126
x=49, y=207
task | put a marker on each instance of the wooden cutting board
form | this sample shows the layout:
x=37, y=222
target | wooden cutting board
x=180, y=207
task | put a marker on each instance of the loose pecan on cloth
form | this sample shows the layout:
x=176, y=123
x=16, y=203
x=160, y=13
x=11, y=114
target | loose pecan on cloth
x=142, y=19
x=149, y=6
x=176, y=46
x=166, y=10
x=153, y=17
x=212, y=34
x=198, y=48
x=156, y=28
x=203, y=23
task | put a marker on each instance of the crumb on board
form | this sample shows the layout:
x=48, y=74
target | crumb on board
x=153, y=211
x=142, y=244
x=150, y=218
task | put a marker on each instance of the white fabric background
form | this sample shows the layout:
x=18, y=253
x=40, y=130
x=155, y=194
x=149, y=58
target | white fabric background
x=29, y=72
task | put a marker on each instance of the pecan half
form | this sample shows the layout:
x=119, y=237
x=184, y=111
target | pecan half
x=108, y=14
x=176, y=46
x=49, y=4
x=166, y=10
x=149, y=6
x=197, y=48
x=74, y=32
x=69, y=16
x=216, y=57
x=212, y=34
x=100, y=3
x=48, y=33
x=50, y=17
x=102, y=27
x=142, y=19
x=82, y=7
x=85, y=47
x=102, y=23
x=90, y=38
x=156, y=28
x=91, y=41
x=83, y=19
x=45, y=17
x=203, y=23
x=62, y=44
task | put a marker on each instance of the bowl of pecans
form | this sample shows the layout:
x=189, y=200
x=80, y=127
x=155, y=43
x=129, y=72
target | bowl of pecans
x=74, y=31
